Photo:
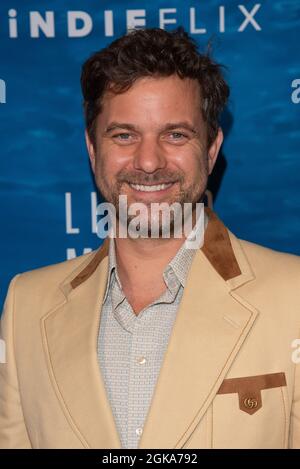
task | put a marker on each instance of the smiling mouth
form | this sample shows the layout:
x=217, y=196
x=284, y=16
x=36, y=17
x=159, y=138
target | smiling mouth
x=151, y=188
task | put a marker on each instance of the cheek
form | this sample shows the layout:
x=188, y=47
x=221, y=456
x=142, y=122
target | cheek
x=111, y=161
x=191, y=161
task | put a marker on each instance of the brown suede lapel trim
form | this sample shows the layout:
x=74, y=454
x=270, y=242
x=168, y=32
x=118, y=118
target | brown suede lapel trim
x=249, y=389
x=217, y=248
x=92, y=265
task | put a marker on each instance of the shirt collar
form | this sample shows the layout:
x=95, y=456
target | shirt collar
x=112, y=267
x=181, y=262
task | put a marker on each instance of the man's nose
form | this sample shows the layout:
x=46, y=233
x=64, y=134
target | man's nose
x=149, y=156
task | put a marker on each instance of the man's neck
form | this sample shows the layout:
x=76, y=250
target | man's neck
x=141, y=263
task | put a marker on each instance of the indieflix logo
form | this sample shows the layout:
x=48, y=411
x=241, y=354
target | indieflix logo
x=153, y=220
x=2, y=351
x=2, y=92
x=78, y=24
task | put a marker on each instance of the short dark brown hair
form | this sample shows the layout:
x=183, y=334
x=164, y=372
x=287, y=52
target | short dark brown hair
x=152, y=52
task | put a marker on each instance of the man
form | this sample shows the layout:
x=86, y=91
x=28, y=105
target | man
x=147, y=343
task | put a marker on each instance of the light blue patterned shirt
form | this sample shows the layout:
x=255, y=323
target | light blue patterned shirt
x=131, y=347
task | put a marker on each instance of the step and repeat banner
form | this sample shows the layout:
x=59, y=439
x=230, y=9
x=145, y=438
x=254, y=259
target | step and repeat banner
x=47, y=194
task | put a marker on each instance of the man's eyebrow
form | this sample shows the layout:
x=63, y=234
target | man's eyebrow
x=119, y=125
x=167, y=126
x=181, y=125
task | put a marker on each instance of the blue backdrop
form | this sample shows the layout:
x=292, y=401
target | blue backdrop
x=47, y=193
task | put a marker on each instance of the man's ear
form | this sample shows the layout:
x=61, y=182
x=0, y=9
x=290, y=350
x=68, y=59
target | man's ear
x=214, y=150
x=91, y=150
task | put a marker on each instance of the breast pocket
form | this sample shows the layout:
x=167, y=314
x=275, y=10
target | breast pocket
x=251, y=412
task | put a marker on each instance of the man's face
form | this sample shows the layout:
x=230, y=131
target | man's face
x=151, y=143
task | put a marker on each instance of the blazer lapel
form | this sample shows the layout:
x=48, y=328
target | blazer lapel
x=210, y=328
x=70, y=339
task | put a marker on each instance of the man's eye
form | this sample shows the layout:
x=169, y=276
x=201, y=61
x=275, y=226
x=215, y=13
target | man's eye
x=122, y=136
x=177, y=136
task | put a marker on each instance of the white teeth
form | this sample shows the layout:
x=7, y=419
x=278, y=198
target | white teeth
x=159, y=187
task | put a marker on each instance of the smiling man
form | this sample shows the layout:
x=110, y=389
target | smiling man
x=147, y=343
x=150, y=145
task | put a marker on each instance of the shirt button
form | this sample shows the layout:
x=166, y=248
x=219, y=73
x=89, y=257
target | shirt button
x=139, y=431
x=142, y=360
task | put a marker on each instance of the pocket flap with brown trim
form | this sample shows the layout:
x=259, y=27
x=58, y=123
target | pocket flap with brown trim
x=249, y=389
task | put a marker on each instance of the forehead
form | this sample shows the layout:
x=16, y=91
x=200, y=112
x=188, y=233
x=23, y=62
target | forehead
x=154, y=98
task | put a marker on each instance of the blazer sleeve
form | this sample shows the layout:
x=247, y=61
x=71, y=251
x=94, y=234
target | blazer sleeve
x=295, y=413
x=13, y=433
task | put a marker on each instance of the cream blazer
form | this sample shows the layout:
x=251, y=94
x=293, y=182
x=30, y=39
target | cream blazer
x=229, y=378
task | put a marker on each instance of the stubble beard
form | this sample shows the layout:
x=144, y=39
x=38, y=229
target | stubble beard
x=185, y=195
